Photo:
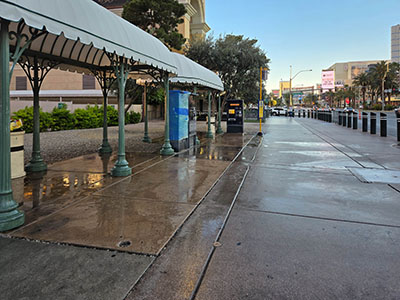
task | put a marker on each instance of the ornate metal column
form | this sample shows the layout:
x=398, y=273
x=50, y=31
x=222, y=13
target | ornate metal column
x=209, y=132
x=219, y=128
x=120, y=65
x=36, y=71
x=105, y=80
x=166, y=148
x=10, y=217
x=146, y=137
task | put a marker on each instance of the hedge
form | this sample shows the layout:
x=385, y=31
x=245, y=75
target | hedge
x=63, y=119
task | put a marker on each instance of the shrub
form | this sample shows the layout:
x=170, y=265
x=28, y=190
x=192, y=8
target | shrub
x=62, y=119
x=112, y=116
x=132, y=117
x=91, y=117
x=26, y=115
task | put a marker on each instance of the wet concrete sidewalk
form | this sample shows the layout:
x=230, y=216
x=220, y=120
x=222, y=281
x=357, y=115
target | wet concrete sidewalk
x=76, y=209
x=309, y=223
x=309, y=211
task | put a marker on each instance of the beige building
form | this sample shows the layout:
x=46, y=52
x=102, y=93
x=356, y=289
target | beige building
x=346, y=72
x=76, y=89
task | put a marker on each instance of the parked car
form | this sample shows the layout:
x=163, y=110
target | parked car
x=348, y=109
x=279, y=111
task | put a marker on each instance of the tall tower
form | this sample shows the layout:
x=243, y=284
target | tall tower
x=395, y=41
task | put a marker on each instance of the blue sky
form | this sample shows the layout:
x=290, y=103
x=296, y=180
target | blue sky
x=308, y=34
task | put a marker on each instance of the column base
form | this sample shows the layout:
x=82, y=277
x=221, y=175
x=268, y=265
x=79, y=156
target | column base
x=146, y=139
x=11, y=219
x=219, y=130
x=121, y=169
x=105, y=148
x=167, y=149
x=260, y=133
x=209, y=135
x=36, y=166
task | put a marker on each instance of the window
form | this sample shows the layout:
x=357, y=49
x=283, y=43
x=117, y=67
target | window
x=88, y=82
x=20, y=83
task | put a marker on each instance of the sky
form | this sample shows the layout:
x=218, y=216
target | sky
x=308, y=34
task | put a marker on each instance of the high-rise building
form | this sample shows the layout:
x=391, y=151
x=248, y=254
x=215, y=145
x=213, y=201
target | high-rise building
x=395, y=43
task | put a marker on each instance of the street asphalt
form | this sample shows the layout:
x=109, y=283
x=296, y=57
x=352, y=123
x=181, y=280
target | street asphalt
x=308, y=211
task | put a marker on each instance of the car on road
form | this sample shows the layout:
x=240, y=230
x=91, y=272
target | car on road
x=348, y=109
x=279, y=111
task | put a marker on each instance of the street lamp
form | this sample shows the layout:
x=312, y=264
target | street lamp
x=290, y=83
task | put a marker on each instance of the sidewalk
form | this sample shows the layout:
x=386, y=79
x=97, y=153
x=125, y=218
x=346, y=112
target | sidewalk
x=306, y=225
x=90, y=236
x=309, y=211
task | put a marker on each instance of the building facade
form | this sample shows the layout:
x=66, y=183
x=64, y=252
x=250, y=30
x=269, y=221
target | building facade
x=395, y=43
x=345, y=72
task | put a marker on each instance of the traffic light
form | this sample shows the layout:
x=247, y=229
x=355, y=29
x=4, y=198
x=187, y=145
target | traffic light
x=395, y=91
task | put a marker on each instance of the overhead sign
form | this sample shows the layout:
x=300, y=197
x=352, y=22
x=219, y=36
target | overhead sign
x=328, y=80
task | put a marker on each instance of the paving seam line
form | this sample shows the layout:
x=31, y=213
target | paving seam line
x=396, y=189
x=194, y=209
x=211, y=253
x=320, y=218
x=344, y=153
x=309, y=169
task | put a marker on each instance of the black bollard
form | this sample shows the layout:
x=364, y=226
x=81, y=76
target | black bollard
x=349, y=116
x=304, y=113
x=355, y=120
x=340, y=118
x=397, y=111
x=344, y=119
x=308, y=113
x=330, y=116
x=383, y=124
x=373, y=123
x=364, y=122
x=298, y=113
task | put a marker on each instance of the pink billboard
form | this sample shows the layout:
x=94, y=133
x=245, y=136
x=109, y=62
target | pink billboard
x=328, y=80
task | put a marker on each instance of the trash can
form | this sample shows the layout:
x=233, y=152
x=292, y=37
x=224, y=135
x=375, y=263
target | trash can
x=17, y=154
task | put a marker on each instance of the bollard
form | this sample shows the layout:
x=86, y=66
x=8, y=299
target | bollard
x=364, y=122
x=340, y=118
x=304, y=113
x=355, y=120
x=397, y=111
x=349, y=115
x=344, y=119
x=383, y=118
x=298, y=113
x=308, y=113
x=330, y=116
x=373, y=123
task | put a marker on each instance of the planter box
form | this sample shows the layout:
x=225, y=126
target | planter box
x=17, y=154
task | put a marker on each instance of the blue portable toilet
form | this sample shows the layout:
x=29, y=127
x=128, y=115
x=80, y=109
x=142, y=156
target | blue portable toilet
x=179, y=119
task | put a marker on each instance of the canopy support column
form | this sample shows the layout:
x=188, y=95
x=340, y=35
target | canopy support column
x=166, y=148
x=36, y=72
x=10, y=217
x=209, y=132
x=121, y=167
x=105, y=80
x=219, y=128
x=146, y=137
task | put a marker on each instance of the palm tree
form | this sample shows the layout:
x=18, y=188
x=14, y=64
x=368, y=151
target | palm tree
x=362, y=80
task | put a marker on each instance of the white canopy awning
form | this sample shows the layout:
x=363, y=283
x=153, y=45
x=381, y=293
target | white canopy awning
x=190, y=72
x=79, y=31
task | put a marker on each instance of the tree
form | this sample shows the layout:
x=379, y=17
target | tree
x=159, y=18
x=236, y=59
x=362, y=80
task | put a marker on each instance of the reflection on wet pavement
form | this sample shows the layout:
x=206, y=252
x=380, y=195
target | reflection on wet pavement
x=77, y=202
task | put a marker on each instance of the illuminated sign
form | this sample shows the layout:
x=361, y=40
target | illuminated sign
x=328, y=80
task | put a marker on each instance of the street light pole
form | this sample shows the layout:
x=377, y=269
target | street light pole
x=261, y=102
x=290, y=82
